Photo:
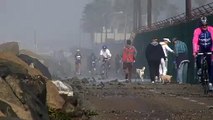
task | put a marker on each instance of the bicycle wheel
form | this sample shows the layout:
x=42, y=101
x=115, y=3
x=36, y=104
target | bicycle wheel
x=206, y=88
x=103, y=72
x=106, y=72
x=206, y=80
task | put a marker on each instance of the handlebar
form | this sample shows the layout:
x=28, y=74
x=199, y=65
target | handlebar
x=204, y=53
x=106, y=58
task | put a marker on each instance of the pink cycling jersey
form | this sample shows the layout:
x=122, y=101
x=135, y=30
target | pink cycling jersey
x=197, y=32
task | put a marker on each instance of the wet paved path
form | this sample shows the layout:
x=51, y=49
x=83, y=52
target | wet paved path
x=133, y=101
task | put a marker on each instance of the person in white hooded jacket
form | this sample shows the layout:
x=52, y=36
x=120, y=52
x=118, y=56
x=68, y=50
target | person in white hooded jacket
x=164, y=62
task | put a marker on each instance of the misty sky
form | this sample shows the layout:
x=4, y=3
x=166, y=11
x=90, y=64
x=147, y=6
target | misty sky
x=54, y=22
x=50, y=20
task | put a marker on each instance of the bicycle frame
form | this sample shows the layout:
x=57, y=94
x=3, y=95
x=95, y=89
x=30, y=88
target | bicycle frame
x=104, y=68
x=93, y=67
x=204, y=78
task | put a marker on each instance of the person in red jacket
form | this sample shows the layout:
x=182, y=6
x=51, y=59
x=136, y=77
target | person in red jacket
x=128, y=58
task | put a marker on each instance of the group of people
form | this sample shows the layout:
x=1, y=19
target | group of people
x=157, y=54
x=157, y=58
x=105, y=56
x=126, y=59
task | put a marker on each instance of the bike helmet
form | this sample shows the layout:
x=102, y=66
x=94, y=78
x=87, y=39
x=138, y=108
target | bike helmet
x=203, y=21
x=104, y=47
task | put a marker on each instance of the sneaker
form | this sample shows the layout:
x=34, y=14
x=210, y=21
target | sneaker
x=153, y=82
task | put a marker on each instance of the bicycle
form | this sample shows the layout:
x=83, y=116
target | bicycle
x=104, y=68
x=93, y=68
x=203, y=74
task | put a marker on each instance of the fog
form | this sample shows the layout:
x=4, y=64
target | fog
x=176, y=7
x=47, y=25
x=50, y=24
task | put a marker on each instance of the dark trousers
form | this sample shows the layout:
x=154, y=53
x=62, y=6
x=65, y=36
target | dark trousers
x=128, y=70
x=154, y=69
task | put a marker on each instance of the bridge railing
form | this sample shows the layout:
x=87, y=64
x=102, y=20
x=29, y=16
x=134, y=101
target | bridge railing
x=204, y=10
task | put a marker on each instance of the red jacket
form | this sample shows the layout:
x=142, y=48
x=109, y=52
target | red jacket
x=129, y=53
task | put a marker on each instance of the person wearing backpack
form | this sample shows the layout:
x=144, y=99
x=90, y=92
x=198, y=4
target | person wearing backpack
x=128, y=58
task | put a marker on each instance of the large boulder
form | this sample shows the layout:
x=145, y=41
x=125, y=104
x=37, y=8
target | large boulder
x=36, y=63
x=23, y=98
x=16, y=65
x=22, y=88
x=11, y=47
x=54, y=100
x=31, y=54
x=6, y=110
x=41, y=58
x=56, y=68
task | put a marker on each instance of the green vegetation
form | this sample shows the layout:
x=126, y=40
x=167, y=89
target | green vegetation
x=57, y=115
x=61, y=115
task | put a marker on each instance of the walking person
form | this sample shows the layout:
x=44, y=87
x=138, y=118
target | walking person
x=164, y=62
x=181, y=53
x=78, y=58
x=128, y=58
x=154, y=53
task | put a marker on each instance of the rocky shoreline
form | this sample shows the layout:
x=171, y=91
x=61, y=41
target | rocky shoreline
x=28, y=92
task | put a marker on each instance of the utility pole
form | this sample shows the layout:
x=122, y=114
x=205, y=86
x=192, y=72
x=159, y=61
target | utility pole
x=102, y=35
x=106, y=33
x=125, y=21
x=125, y=27
x=105, y=25
x=149, y=13
x=80, y=35
x=137, y=14
x=35, y=40
x=188, y=8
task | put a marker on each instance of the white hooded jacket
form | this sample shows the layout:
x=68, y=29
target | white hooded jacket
x=166, y=48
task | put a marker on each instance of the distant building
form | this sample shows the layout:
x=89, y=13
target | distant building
x=101, y=37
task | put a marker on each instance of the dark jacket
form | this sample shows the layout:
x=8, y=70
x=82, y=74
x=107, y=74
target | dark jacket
x=154, y=52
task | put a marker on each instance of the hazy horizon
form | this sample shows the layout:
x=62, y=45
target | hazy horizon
x=54, y=24
x=44, y=20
